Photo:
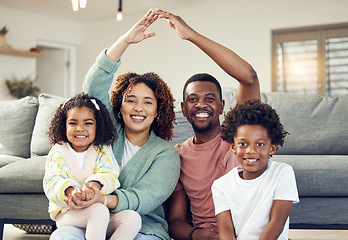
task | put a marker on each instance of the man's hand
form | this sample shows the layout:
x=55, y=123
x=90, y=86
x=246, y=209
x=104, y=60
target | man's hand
x=183, y=30
x=210, y=233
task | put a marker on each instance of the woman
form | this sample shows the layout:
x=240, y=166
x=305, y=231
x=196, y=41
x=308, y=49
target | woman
x=142, y=106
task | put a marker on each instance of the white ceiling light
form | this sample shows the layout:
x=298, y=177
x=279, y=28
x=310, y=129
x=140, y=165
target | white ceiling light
x=119, y=13
x=75, y=4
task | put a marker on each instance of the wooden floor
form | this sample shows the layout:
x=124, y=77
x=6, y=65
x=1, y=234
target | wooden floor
x=299, y=234
x=12, y=233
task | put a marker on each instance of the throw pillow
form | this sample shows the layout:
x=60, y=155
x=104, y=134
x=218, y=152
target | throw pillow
x=17, y=118
x=40, y=144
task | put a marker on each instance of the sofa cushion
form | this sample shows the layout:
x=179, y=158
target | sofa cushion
x=6, y=159
x=318, y=175
x=17, y=118
x=23, y=176
x=183, y=130
x=40, y=144
x=317, y=125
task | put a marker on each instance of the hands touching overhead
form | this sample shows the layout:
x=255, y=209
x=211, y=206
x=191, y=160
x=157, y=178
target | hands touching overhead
x=137, y=33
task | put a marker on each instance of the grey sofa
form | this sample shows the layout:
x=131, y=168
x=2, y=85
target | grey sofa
x=23, y=149
x=317, y=148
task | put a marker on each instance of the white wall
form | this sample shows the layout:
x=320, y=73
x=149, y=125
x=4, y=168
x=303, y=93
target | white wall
x=244, y=26
x=24, y=31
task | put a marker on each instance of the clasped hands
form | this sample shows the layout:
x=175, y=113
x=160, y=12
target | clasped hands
x=79, y=198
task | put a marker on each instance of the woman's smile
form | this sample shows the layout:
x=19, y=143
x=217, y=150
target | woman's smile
x=139, y=109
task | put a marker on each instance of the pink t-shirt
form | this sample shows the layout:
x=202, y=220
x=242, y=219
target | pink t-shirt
x=201, y=164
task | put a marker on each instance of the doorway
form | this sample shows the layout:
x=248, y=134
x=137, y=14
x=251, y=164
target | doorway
x=56, y=71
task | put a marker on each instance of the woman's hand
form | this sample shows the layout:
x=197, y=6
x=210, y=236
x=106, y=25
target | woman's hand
x=75, y=203
x=134, y=35
x=137, y=32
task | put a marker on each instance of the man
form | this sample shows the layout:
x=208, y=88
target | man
x=204, y=157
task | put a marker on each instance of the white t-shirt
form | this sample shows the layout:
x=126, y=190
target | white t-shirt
x=78, y=156
x=250, y=201
x=129, y=151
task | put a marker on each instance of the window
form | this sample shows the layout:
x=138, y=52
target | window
x=311, y=60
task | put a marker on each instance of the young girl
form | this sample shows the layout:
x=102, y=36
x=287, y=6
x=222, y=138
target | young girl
x=254, y=200
x=80, y=163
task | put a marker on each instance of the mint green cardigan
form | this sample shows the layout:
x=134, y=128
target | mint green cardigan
x=151, y=174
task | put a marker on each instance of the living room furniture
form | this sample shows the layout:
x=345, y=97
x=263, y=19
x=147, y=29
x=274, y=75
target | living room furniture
x=317, y=148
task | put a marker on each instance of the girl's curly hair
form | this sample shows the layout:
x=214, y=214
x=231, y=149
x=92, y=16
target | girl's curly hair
x=163, y=124
x=105, y=130
x=253, y=112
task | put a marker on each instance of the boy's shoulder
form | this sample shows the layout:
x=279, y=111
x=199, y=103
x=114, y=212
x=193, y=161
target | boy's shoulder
x=278, y=165
x=280, y=170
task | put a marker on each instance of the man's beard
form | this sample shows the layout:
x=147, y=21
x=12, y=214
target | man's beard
x=202, y=129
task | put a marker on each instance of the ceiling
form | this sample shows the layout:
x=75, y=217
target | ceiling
x=96, y=9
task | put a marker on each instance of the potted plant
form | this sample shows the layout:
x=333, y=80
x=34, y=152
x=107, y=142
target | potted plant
x=20, y=88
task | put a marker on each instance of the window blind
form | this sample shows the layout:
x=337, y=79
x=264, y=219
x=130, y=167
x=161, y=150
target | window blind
x=311, y=60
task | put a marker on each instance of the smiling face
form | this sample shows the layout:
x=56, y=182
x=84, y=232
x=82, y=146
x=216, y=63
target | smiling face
x=202, y=106
x=139, y=109
x=80, y=128
x=253, y=147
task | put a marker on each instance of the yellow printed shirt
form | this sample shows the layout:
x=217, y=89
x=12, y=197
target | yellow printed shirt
x=63, y=171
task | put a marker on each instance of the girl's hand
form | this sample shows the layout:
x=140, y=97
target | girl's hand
x=137, y=32
x=89, y=191
x=75, y=203
x=78, y=194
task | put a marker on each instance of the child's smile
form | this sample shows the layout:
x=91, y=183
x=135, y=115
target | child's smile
x=80, y=128
x=251, y=161
x=253, y=147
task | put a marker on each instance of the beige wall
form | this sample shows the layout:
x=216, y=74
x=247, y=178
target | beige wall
x=244, y=26
x=25, y=29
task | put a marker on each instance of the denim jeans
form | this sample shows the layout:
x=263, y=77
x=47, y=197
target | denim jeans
x=76, y=233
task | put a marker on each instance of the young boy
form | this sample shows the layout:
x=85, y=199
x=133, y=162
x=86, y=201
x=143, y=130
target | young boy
x=254, y=200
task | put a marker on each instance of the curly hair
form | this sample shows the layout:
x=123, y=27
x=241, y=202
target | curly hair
x=253, y=112
x=105, y=130
x=163, y=125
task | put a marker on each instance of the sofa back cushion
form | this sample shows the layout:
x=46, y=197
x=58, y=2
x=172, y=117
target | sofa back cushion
x=17, y=118
x=317, y=125
x=48, y=104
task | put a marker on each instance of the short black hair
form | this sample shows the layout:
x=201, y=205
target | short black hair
x=253, y=112
x=105, y=130
x=202, y=77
